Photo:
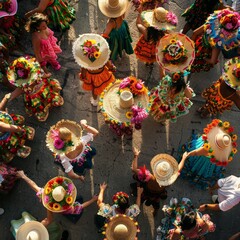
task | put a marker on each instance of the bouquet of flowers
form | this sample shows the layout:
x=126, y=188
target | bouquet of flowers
x=58, y=143
x=90, y=49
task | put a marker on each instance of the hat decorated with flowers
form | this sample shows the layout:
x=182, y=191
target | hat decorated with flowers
x=121, y=227
x=118, y=196
x=91, y=51
x=222, y=29
x=64, y=136
x=8, y=8
x=231, y=73
x=59, y=194
x=175, y=52
x=5, y=118
x=220, y=142
x=159, y=18
x=24, y=71
x=125, y=102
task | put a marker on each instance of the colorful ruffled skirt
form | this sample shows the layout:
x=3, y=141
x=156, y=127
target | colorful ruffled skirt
x=14, y=144
x=97, y=82
x=145, y=51
x=43, y=96
x=60, y=15
x=199, y=170
x=119, y=40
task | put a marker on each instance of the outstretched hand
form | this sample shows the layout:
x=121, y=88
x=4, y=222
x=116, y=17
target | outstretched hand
x=136, y=151
x=103, y=186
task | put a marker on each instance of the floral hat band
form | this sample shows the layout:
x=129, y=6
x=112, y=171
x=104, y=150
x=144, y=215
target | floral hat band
x=118, y=196
x=91, y=49
x=177, y=76
x=229, y=22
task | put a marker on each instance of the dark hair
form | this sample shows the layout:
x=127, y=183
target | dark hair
x=178, y=85
x=34, y=22
x=154, y=34
x=123, y=203
x=188, y=221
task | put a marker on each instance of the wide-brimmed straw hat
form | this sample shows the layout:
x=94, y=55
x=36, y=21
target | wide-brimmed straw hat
x=165, y=169
x=91, y=51
x=8, y=8
x=24, y=71
x=231, y=74
x=220, y=142
x=175, y=52
x=32, y=230
x=119, y=98
x=222, y=29
x=159, y=18
x=6, y=118
x=59, y=194
x=121, y=227
x=113, y=8
x=64, y=136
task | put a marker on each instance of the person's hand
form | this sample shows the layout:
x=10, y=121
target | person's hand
x=136, y=152
x=139, y=190
x=202, y=208
x=46, y=222
x=82, y=178
x=185, y=155
x=103, y=186
x=83, y=123
x=20, y=174
x=95, y=198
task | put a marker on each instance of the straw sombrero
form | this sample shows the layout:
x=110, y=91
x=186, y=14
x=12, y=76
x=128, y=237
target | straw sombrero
x=231, y=74
x=64, y=136
x=121, y=227
x=8, y=8
x=32, y=230
x=222, y=29
x=113, y=8
x=6, y=118
x=159, y=18
x=24, y=71
x=175, y=52
x=59, y=194
x=119, y=100
x=220, y=142
x=91, y=51
x=165, y=169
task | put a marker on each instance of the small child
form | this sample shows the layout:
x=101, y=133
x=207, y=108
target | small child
x=44, y=43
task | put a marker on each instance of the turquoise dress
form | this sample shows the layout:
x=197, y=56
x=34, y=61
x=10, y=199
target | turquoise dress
x=119, y=40
x=198, y=169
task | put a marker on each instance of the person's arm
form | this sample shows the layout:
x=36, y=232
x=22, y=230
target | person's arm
x=182, y=162
x=139, y=194
x=188, y=92
x=89, y=202
x=136, y=153
x=236, y=99
x=197, y=32
x=37, y=47
x=88, y=128
x=109, y=28
x=176, y=234
x=5, y=127
x=212, y=206
x=30, y=182
x=39, y=9
x=141, y=28
x=101, y=193
x=198, y=152
x=48, y=219
x=236, y=236
x=73, y=175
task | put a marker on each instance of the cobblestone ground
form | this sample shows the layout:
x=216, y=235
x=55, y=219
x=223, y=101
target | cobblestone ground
x=113, y=160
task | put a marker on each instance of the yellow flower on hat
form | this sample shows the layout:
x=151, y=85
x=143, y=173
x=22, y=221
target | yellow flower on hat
x=206, y=146
x=129, y=115
x=56, y=206
x=48, y=190
x=97, y=54
x=234, y=138
x=234, y=150
x=69, y=200
x=226, y=124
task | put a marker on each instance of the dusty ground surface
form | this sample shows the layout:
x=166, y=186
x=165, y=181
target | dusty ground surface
x=114, y=156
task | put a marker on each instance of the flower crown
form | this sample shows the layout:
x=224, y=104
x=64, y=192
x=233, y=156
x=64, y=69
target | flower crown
x=91, y=49
x=144, y=174
x=6, y=5
x=67, y=200
x=229, y=20
x=58, y=143
x=225, y=126
x=174, y=52
x=236, y=72
x=118, y=196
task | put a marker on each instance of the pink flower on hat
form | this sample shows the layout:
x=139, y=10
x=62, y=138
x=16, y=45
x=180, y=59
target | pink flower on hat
x=58, y=143
x=172, y=18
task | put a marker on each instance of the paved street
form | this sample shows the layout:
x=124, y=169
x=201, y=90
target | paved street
x=113, y=160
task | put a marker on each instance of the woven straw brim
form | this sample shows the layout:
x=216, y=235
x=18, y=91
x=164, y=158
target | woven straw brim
x=110, y=12
x=73, y=195
x=27, y=227
x=121, y=219
x=73, y=127
x=165, y=181
x=111, y=103
x=83, y=60
x=221, y=155
x=228, y=76
x=188, y=45
x=150, y=21
x=14, y=10
x=35, y=73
